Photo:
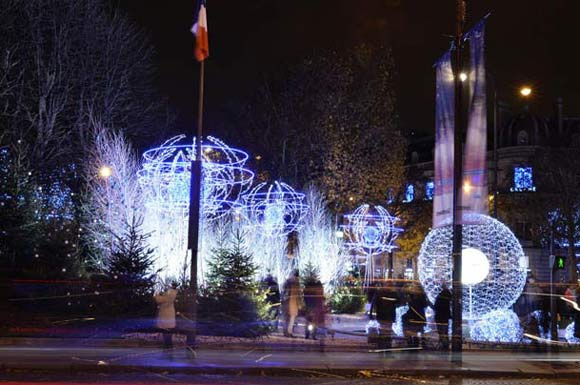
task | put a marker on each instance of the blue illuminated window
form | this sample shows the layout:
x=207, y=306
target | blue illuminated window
x=429, y=190
x=409, y=193
x=523, y=179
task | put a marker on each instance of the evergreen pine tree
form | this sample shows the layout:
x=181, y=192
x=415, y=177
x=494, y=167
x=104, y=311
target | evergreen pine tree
x=131, y=266
x=233, y=302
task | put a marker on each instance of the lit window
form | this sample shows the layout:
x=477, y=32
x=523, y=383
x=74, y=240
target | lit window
x=523, y=179
x=409, y=193
x=429, y=190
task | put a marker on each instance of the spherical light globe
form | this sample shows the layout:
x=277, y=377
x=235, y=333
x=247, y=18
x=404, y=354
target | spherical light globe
x=489, y=286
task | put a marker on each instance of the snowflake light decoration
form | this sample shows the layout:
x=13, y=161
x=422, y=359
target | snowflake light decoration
x=506, y=277
x=370, y=232
x=165, y=178
x=501, y=325
x=276, y=209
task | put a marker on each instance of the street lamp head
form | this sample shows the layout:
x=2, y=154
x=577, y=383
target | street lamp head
x=105, y=172
x=525, y=91
x=463, y=76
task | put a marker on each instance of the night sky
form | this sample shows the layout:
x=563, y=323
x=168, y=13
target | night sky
x=529, y=41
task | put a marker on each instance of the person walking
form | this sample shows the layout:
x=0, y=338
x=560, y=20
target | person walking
x=384, y=304
x=314, y=302
x=442, y=309
x=414, y=319
x=166, y=313
x=270, y=285
x=291, y=303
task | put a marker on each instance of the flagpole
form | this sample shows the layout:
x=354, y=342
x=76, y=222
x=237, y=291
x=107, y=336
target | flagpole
x=194, y=211
x=457, y=336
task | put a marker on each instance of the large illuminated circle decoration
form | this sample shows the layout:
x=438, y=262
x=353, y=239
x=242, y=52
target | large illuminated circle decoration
x=370, y=231
x=501, y=325
x=165, y=178
x=494, y=268
x=275, y=209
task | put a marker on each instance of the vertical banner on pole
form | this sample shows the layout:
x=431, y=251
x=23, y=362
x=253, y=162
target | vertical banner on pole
x=444, y=132
x=474, y=197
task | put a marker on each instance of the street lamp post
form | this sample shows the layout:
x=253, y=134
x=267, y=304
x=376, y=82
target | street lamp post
x=457, y=336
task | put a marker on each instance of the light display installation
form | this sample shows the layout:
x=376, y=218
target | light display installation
x=276, y=209
x=502, y=325
x=503, y=284
x=165, y=181
x=369, y=232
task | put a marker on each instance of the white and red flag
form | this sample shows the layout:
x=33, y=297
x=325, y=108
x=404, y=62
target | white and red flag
x=199, y=29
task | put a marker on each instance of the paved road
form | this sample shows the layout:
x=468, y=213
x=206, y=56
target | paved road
x=117, y=358
x=155, y=379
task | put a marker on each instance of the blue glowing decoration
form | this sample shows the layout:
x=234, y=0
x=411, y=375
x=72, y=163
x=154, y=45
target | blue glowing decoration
x=409, y=193
x=165, y=179
x=277, y=209
x=523, y=179
x=370, y=232
x=569, y=334
x=506, y=276
x=429, y=190
x=501, y=325
x=398, y=324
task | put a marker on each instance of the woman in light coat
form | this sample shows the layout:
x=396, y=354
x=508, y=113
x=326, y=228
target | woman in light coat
x=166, y=313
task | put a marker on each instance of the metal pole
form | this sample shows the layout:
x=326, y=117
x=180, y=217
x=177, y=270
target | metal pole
x=194, y=213
x=495, y=142
x=457, y=337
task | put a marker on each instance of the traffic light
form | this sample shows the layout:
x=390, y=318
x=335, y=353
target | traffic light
x=559, y=262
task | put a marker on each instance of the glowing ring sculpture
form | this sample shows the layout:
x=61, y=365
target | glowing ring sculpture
x=506, y=277
x=370, y=232
x=501, y=325
x=276, y=209
x=165, y=178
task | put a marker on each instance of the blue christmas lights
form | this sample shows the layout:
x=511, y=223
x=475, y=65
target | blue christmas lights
x=523, y=179
x=165, y=179
x=276, y=209
x=369, y=232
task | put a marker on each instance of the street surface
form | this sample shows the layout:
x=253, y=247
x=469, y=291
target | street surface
x=167, y=378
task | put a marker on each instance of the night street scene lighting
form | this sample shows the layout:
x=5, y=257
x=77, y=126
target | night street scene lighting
x=282, y=192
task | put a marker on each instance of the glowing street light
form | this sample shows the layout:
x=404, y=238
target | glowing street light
x=525, y=91
x=463, y=76
x=105, y=172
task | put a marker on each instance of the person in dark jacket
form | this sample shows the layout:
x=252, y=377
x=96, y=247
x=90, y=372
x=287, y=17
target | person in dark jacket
x=314, y=302
x=384, y=304
x=270, y=285
x=414, y=320
x=442, y=309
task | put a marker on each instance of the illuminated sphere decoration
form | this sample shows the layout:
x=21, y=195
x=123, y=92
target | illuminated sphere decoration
x=493, y=271
x=501, y=325
x=276, y=209
x=165, y=178
x=369, y=232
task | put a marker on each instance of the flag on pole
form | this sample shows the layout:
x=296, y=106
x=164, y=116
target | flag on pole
x=444, y=133
x=474, y=197
x=199, y=29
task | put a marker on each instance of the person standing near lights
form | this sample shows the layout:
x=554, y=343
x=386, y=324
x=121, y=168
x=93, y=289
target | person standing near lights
x=166, y=313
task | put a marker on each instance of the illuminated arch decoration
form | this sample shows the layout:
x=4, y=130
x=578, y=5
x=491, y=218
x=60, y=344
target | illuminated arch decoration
x=482, y=294
x=502, y=325
x=275, y=209
x=369, y=232
x=165, y=179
